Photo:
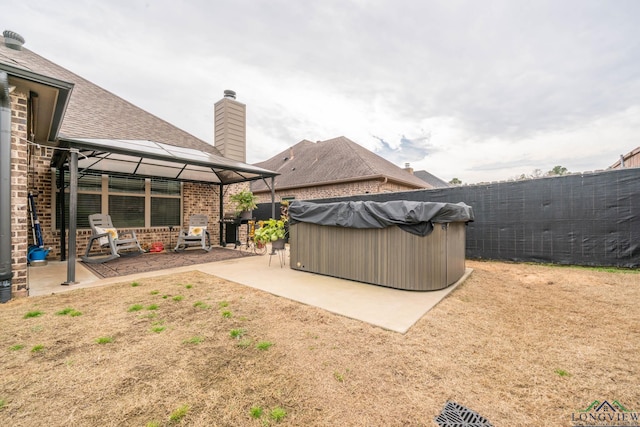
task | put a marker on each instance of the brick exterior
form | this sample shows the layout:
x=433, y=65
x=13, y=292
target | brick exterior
x=202, y=199
x=370, y=186
x=197, y=198
x=19, y=211
x=31, y=171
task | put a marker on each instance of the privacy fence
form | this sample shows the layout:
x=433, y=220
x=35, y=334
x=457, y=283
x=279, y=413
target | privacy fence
x=588, y=219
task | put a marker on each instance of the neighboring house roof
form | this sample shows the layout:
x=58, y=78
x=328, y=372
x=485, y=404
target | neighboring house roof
x=93, y=112
x=430, y=179
x=631, y=159
x=336, y=160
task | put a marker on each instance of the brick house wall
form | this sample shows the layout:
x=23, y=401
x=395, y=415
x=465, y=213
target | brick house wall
x=201, y=199
x=19, y=189
x=197, y=198
x=31, y=171
x=371, y=186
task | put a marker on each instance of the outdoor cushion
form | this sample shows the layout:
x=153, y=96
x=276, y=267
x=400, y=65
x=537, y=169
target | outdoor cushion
x=105, y=240
x=197, y=230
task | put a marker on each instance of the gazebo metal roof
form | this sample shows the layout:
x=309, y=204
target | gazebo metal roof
x=155, y=159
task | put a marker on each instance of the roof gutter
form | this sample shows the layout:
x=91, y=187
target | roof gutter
x=346, y=181
x=5, y=189
x=64, y=92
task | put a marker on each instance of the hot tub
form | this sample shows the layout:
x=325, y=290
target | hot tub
x=417, y=246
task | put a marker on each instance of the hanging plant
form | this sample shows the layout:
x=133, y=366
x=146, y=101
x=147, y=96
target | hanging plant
x=245, y=201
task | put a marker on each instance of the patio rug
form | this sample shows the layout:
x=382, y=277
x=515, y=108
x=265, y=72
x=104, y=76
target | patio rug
x=142, y=263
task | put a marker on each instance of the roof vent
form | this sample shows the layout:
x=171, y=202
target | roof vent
x=230, y=94
x=13, y=40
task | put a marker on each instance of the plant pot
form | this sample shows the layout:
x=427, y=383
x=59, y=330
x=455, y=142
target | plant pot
x=277, y=244
x=246, y=214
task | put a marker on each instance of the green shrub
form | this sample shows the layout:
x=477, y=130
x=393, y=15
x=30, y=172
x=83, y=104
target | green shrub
x=179, y=413
x=37, y=348
x=237, y=333
x=256, y=412
x=194, y=340
x=35, y=313
x=264, y=345
x=278, y=414
x=200, y=304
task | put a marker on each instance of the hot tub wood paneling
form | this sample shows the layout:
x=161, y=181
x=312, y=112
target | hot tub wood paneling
x=388, y=257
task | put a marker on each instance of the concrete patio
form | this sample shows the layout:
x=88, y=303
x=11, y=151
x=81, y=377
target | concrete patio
x=391, y=309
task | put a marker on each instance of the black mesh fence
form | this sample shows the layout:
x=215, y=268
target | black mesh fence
x=581, y=219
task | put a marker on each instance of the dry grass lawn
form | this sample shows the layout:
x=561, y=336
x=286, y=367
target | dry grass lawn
x=523, y=345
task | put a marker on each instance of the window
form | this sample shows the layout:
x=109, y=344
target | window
x=89, y=198
x=165, y=202
x=131, y=201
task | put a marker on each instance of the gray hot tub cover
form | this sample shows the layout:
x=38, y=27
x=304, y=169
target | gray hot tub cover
x=414, y=217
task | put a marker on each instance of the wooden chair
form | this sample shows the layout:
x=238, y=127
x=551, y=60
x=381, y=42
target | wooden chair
x=196, y=235
x=108, y=237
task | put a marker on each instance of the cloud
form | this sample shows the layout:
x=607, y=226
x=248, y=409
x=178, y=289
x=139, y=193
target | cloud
x=594, y=145
x=405, y=149
x=474, y=90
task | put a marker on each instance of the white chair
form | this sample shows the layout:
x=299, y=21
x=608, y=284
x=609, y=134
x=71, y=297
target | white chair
x=108, y=237
x=196, y=235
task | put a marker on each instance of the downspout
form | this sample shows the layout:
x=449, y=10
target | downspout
x=63, y=220
x=383, y=181
x=5, y=189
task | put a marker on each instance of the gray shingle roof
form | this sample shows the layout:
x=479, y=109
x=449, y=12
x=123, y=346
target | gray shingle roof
x=94, y=112
x=431, y=179
x=630, y=155
x=326, y=162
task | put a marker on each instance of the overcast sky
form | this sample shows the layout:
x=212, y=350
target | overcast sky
x=477, y=90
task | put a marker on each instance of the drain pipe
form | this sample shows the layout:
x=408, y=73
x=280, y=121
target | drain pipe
x=5, y=189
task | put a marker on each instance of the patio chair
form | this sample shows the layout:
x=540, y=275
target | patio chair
x=195, y=235
x=109, y=238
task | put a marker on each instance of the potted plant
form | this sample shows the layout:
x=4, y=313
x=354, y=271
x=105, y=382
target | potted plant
x=245, y=202
x=272, y=231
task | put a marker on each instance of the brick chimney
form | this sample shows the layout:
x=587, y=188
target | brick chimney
x=230, y=122
x=408, y=168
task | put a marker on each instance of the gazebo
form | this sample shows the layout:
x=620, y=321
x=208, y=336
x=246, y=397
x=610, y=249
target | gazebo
x=50, y=98
x=146, y=159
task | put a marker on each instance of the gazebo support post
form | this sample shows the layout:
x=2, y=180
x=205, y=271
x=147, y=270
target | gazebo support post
x=273, y=197
x=73, y=216
x=221, y=224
